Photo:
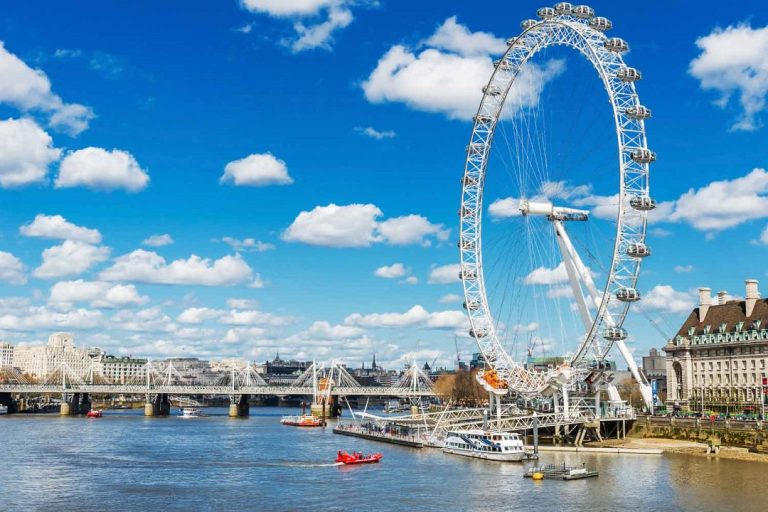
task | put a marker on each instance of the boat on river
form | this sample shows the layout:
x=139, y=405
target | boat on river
x=304, y=420
x=3, y=409
x=94, y=413
x=191, y=412
x=357, y=458
x=482, y=444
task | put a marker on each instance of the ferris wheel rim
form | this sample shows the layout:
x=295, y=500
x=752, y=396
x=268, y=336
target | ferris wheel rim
x=576, y=33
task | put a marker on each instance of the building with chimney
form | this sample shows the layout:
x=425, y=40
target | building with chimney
x=717, y=359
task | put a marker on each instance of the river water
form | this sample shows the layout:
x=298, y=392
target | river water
x=124, y=461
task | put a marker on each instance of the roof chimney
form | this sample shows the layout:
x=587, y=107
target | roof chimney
x=752, y=295
x=722, y=297
x=705, y=300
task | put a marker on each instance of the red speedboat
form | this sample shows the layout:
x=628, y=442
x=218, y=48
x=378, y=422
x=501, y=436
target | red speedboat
x=93, y=413
x=357, y=458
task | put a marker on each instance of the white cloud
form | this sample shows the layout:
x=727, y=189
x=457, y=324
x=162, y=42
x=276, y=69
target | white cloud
x=325, y=330
x=410, y=280
x=375, y=134
x=256, y=170
x=320, y=35
x=665, y=298
x=417, y=316
x=99, y=169
x=41, y=318
x=150, y=267
x=12, y=270
x=158, y=240
x=26, y=151
x=450, y=298
x=143, y=320
x=287, y=8
x=448, y=76
x=30, y=90
x=357, y=225
x=734, y=60
x=70, y=258
x=254, y=317
x=391, y=271
x=683, y=268
x=445, y=274
x=57, y=227
x=247, y=244
x=244, y=334
x=242, y=303
x=198, y=315
x=99, y=294
x=547, y=276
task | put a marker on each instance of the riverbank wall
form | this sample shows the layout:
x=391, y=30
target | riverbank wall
x=752, y=435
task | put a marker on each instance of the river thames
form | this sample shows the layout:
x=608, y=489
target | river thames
x=124, y=461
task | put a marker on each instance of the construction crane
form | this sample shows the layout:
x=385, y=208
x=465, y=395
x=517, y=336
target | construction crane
x=458, y=356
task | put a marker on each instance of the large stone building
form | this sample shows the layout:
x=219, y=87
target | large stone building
x=6, y=354
x=40, y=361
x=717, y=360
x=123, y=370
x=655, y=370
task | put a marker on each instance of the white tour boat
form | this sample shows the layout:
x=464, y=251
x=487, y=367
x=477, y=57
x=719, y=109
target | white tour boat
x=481, y=444
x=191, y=412
x=3, y=409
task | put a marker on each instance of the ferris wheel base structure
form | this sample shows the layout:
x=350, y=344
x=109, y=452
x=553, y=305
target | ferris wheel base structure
x=585, y=375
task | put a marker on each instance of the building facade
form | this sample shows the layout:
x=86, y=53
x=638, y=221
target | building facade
x=123, y=370
x=655, y=370
x=42, y=361
x=6, y=354
x=717, y=359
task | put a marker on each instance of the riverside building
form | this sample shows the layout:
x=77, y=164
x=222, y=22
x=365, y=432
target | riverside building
x=717, y=359
x=42, y=360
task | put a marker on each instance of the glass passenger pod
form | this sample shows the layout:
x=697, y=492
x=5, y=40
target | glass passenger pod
x=526, y=24
x=502, y=64
x=491, y=90
x=511, y=41
x=638, y=112
x=484, y=119
x=472, y=305
x=583, y=11
x=469, y=180
x=465, y=212
x=467, y=273
x=616, y=44
x=638, y=250
x=628, y=294
x=478, y=333
x=615, y=334
x=600, y=23
x=642, y=203
x=628, y=74
x=466, y=244
x=476, y=148
x=546, y=13
x=563, y=8
x=643, y=156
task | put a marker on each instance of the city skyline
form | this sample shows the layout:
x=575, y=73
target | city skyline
x=157, y=201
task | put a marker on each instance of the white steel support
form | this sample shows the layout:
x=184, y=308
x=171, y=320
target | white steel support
x=566, y=250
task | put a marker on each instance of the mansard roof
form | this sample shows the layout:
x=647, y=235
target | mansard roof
x=730, y=314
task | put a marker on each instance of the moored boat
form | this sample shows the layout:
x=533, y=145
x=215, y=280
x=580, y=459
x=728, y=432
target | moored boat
x=304, y=420
x=191, y=412
x=94, y=413
x=481, y=444
x=357, y=458
x=3, y=409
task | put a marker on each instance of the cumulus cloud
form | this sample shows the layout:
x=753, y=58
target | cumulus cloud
x=734, y=61
x=149, y=267
x=26, y=151
x=99, y=294
x=242, y=303
x=247, y=244
x=417, y=316
x=683, y=269
x=12, y=270
x=445, y=274
x=254, y=317
x=29, y=90
x=256, y=170
x=99, y=169
x=357, y=225
x=547, y=276
x=42, y=318
x=663, y=297
x=376, y=134
x=391, y=271
x=317, y=34
x=70, y=258
x=158, y=240
x=446, y=74
x=451, y=298
x=57, y=227
x=198, y=315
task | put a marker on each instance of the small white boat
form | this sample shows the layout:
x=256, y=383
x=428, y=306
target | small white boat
x=3, y=409
x=191, y=412
x=481, y=444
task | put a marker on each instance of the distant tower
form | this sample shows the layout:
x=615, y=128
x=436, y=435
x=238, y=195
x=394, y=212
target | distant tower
x=373, y=364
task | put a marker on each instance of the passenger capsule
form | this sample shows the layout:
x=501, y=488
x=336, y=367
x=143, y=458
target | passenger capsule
x=483, y=119
x=526, y=24
x=467, y=274
x=628, y=294
x=511, y=41
x=466, y=244
x=627, y=74
x=616, y=44
x=472, y=305
x=502, y=64
x=638, y=112
x=643, y=156
x=478, y=333
x=600, y=23
x=638, y=250
x=476, y=148
x=642, y=203
x=563, y=8
x=615, y=334
x=545, y=13
x=583, y=11
x=465, y=212
x=468, y=180
x=491, y=90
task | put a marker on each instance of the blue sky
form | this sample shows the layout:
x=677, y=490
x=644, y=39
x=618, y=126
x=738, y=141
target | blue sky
x=286, y=124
